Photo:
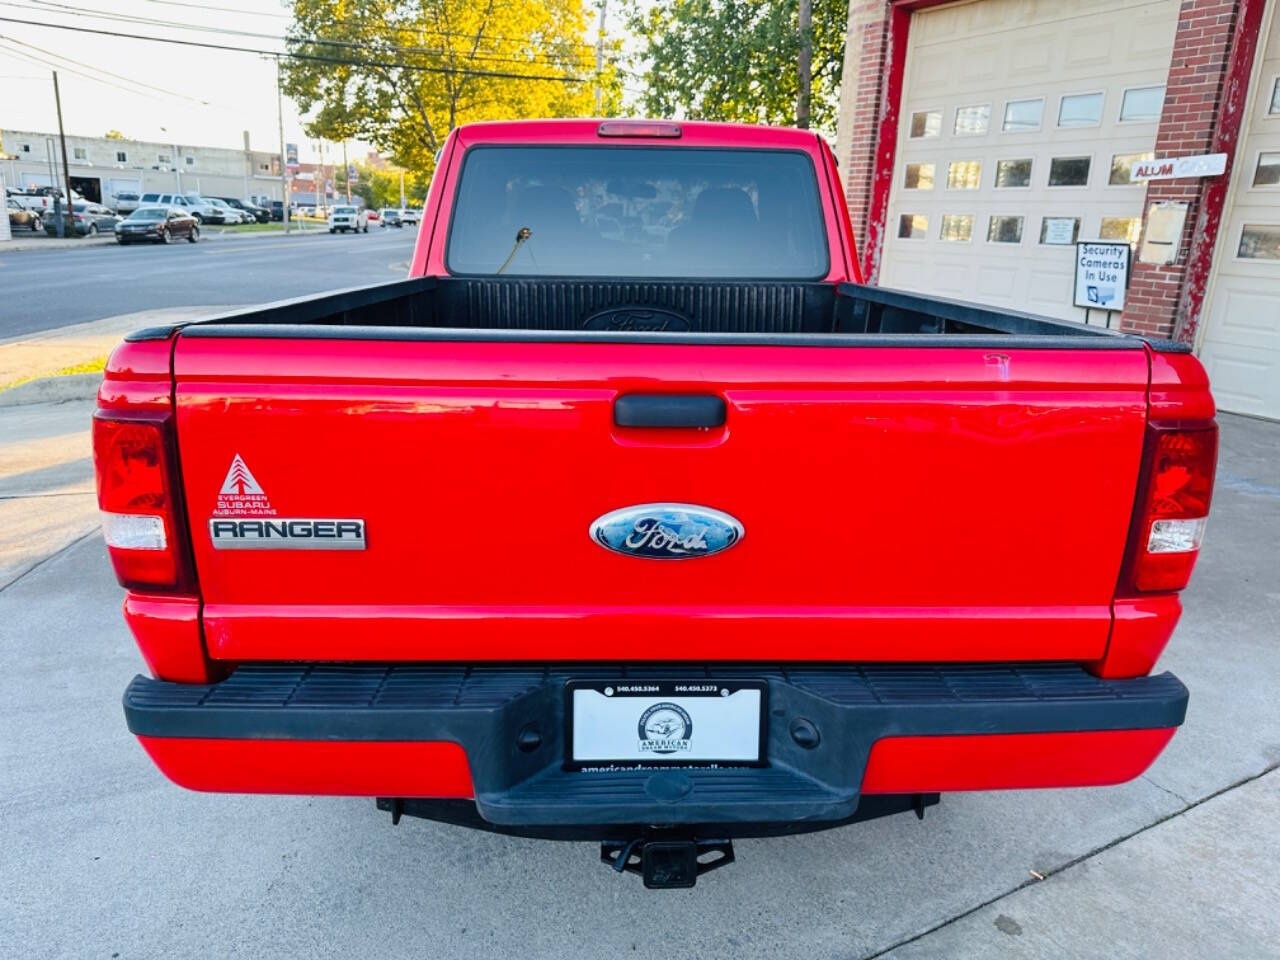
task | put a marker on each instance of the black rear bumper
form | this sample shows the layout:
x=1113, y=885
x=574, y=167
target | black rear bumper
x=510, y=721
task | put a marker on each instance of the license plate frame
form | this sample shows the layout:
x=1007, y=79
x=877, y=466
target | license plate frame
x=708, y=700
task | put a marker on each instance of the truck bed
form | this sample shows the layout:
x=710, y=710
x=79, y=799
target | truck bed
x=645, y=310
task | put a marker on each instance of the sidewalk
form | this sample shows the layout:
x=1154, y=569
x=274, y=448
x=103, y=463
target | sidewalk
x=84, y=346
x=46, y=482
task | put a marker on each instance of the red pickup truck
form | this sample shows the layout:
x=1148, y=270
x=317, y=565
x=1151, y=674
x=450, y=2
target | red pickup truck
x=633, y=515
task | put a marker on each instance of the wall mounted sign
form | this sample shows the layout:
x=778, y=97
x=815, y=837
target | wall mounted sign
x=1059, y=231
x=1102, y=274
x=1206, y=165
x=1162, y=238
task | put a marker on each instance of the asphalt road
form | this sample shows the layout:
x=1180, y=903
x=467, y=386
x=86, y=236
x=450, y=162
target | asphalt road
x=42, y=290
x=101, y=857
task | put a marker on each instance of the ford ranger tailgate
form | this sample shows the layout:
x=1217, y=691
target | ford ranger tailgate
x=895, y=503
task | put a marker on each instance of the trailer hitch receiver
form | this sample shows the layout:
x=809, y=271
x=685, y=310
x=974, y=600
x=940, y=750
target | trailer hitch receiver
x=666, y=864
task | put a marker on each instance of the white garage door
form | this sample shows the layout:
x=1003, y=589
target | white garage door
x=1019, y=121
x=1241, y=339
x=116, y=185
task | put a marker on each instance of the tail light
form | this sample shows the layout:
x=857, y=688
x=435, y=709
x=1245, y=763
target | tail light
x=1172, y=506
x=136, y=470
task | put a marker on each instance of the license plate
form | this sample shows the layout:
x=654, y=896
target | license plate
x=663, y=722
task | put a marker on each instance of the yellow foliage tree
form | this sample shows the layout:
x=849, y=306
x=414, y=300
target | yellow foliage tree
x=402, y=75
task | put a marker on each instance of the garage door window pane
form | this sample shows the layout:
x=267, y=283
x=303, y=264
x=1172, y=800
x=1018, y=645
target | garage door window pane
x=972, y=121
x=1142, y=103
x=926, y=123
x=964, y=174
x=1022, y=115
x=1013, y=173
x=1080, y=110
x=1122, y=166
x=1121, y=229
x=919, y=176
x=1059, y=231
x=1260, y=241
x=957, y=227
x=1069, y=172
x=1267, y=173
x=913, y=226
x=1005, y=230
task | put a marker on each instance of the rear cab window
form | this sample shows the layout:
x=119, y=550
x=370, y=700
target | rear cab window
x=638, y=212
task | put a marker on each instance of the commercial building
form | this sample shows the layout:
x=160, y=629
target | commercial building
x=980, y=140
x=101, y=168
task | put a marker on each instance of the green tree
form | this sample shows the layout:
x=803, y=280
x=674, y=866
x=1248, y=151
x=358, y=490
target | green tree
x=381, y=188
x=425, y=67
x=114, y=135
x=736, y=60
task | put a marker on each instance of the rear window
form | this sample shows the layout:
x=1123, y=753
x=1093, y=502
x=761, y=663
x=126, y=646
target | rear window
x=344, y=211
x=150, y=197
x=638, y=212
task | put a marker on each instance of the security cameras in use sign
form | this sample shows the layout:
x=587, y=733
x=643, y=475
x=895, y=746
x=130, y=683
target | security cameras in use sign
x=1102, y=274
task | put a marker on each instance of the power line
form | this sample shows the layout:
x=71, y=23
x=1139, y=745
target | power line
x=89, y=66
x=540, y=58
x=112, y=15
x=41, y=62
x=61, y=9
x=205, y=6
x=434, y=31
x=294, y=55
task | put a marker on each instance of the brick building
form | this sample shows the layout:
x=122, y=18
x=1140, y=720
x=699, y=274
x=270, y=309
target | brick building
x=980, y=140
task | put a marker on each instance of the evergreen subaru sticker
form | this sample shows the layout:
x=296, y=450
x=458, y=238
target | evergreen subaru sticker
x=241, y=495
x=665, y=727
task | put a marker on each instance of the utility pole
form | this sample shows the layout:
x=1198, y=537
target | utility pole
x=322, y=194
x=284, y=170
x=53, y=164
x=401, y=189
x=805, y=64
x=346, y=171
x=66, y=170
x=604, y=10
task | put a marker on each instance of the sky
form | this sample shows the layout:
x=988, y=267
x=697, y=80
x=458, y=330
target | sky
x=146, y=90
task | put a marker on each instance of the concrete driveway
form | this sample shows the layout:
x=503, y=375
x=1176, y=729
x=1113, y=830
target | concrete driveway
x=101, y=857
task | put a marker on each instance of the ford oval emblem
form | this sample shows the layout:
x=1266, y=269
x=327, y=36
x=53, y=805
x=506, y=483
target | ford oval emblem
x=666, y=531
x=638, y=319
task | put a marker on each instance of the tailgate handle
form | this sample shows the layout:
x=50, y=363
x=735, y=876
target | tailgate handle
x=668, y=410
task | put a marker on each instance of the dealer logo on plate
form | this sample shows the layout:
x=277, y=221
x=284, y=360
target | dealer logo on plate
x=665, y=728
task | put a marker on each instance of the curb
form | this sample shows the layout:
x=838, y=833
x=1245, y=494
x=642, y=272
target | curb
x=54, y=243
x=75, y=386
